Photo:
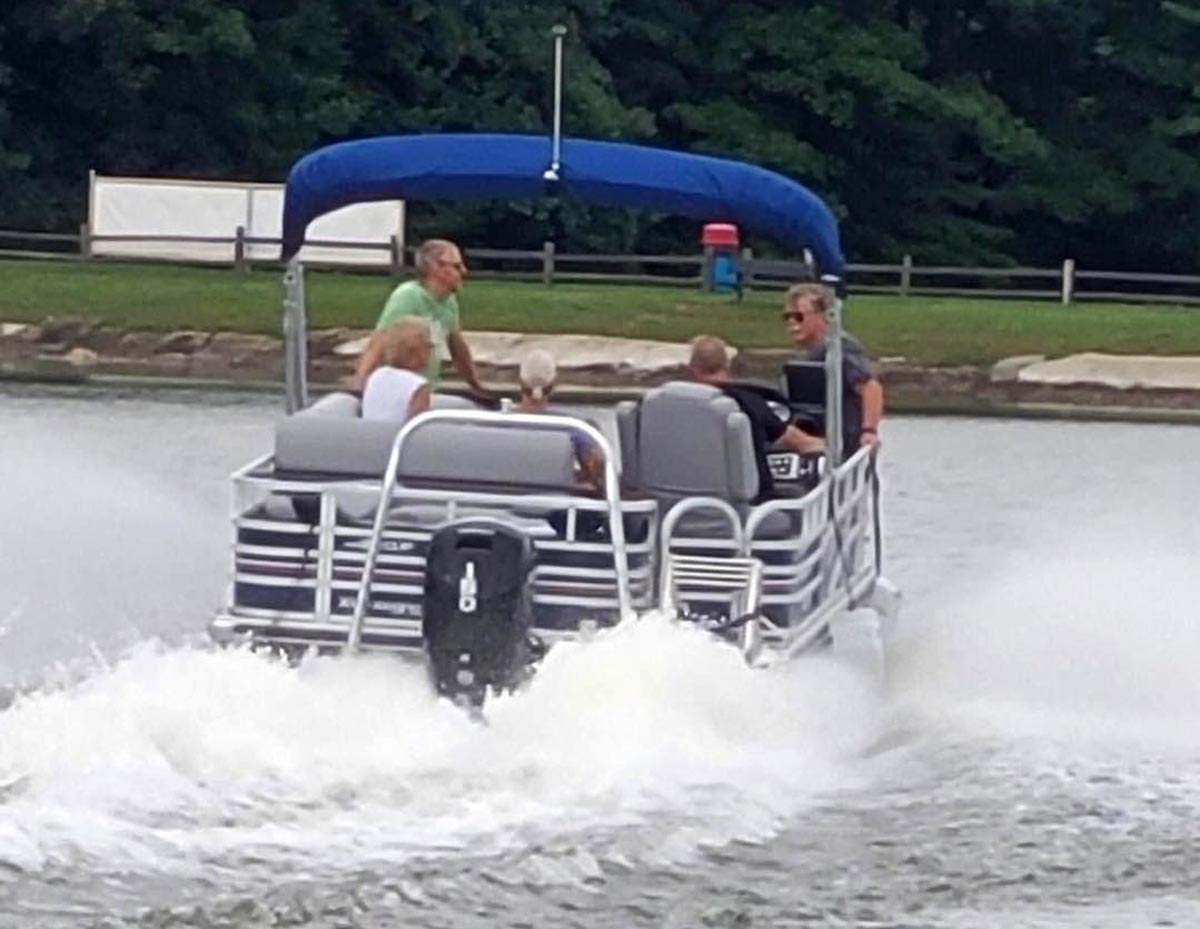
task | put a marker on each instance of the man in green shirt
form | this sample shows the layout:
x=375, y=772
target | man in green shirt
x=432, y=296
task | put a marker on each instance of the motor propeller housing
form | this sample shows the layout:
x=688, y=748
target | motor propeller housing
x=477, y=609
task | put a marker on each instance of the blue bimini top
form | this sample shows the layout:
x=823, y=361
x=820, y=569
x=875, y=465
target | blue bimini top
x=486, y=167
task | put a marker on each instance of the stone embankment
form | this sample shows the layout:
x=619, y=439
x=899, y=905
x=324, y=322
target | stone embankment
x=1080, y=385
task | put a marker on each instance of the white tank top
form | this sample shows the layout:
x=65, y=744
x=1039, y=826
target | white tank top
x=388, y=393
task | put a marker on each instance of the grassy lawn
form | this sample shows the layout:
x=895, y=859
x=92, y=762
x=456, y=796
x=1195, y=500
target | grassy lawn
x=923, y=329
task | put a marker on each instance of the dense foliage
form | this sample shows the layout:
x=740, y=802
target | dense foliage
x=957, y=130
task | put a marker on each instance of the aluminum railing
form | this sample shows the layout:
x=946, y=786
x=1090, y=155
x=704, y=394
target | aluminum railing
x=548, y=422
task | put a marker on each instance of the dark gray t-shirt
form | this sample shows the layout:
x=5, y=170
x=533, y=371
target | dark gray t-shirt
x=856, y=371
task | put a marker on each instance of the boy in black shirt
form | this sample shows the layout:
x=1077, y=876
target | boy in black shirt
x=709, y=364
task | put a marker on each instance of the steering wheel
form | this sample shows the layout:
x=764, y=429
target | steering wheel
x=775, y=398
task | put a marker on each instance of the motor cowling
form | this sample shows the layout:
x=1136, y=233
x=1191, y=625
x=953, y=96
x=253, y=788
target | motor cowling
x=478, y=608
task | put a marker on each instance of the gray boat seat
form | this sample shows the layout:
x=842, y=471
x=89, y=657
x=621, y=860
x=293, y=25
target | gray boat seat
x=686, y=439
x=502, y=457
x=330, y=440
x=451, y=402
x=692, y=440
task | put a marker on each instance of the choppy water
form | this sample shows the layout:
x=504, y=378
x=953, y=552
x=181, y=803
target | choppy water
x=1036, y=762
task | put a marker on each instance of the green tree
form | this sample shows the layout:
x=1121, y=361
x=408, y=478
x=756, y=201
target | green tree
x=188, y=87
x=959, y=130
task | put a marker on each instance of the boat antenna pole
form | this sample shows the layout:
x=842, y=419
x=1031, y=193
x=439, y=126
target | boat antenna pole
x=551, y=173
x=833, y=371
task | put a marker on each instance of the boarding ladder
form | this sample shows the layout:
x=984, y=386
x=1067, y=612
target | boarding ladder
x=688, y=577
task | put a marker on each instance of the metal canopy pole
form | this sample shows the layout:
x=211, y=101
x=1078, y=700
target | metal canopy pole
x=551, y=173
x=833, y=373
x=295, y=338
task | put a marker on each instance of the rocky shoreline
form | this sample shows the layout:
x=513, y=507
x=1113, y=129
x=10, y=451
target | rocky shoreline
x=65, y=350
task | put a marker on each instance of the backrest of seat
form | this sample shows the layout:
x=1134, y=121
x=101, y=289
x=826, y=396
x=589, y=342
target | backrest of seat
x=694, y=440
x=439, y=401
x=804, y=384
x=459, y=453
x=329, y=439
x=337, y=404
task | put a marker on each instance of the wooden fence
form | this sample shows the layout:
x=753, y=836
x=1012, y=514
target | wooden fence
x=1065, y=284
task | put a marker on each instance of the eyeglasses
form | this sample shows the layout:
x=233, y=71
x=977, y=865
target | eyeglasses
x=792, y=315
x=456, y=265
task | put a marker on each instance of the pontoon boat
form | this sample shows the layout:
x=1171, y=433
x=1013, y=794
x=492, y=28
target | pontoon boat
x=464, y=535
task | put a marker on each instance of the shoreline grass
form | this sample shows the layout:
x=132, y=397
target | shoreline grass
x=924, y=330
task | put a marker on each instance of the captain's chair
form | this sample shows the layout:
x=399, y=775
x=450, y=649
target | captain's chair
x=686, y=440
x=804, y=384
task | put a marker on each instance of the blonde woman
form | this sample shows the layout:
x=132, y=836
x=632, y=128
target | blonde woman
x=397, y=390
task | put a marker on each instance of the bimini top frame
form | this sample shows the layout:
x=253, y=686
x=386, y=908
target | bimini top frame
x=497, y=166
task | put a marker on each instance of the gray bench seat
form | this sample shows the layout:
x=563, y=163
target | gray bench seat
x=330, y=441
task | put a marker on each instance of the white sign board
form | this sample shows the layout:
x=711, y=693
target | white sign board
x=125, y=206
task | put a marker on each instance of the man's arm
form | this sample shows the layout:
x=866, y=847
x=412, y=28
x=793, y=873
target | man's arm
x=781, y=435
x=871, y=392
x=797, y=440
x=778, y=433
x=460, y=354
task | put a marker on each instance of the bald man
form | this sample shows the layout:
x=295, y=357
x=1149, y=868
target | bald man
x=709, y=364
x=434, y=297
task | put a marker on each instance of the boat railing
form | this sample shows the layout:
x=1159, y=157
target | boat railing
x=825, y=560
x=300, y=543
x=309, y=551
x=695, y=569
x=544, y=421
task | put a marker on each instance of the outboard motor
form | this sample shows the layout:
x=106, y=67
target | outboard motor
x=478, y=608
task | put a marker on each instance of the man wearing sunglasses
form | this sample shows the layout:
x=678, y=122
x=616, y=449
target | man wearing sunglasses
x=432, y=296
x=862, y=394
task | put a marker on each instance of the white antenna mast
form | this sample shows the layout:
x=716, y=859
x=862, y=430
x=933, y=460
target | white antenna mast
x=551, y=173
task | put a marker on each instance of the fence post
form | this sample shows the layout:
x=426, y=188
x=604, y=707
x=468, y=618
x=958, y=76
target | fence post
x=396, y=255
x=905, y=275
x=239, y=249
x=547, y=263
x=1068, y=281
x=85, y=241
x=706, y=267
x=746, y=269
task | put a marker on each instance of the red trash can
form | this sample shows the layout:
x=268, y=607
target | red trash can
x=722, y=268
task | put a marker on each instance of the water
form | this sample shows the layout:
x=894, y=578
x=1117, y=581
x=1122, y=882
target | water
x=1036, y=763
